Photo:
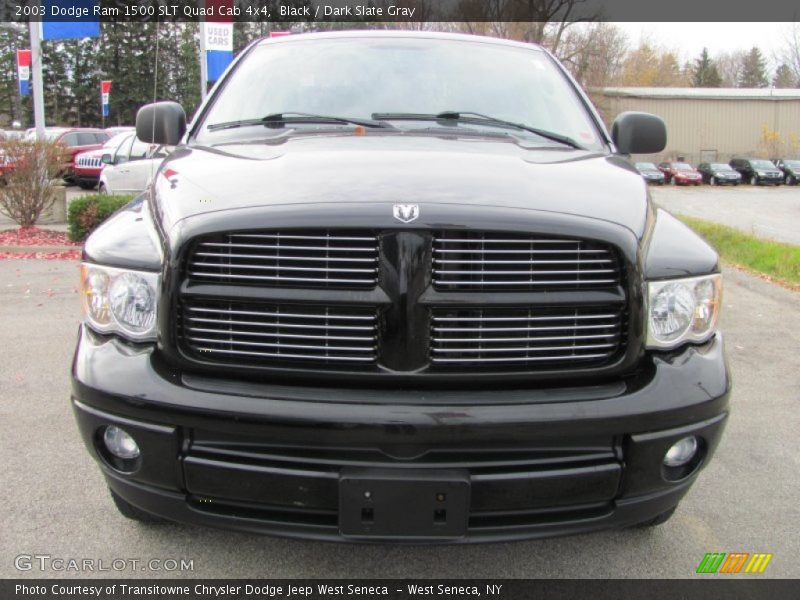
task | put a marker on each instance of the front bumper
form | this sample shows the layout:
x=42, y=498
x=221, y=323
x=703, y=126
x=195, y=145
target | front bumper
x=267, y=458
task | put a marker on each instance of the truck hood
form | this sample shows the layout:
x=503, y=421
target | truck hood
x=399, y=168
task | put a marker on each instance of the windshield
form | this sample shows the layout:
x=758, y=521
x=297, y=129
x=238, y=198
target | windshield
x=646, y=166
x=358, y=77
x=682, y=167
x=794, y=164
x=721, y=167
x=762, y=164
x=117, y=140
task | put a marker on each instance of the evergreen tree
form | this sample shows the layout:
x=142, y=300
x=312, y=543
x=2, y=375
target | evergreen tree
x=704, y=72
x=754, y=71
x=784, y=77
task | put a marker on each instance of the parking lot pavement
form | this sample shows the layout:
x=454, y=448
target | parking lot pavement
x=55, y=502
x=767, y=212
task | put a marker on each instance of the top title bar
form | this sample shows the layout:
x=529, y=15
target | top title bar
x=408, y=11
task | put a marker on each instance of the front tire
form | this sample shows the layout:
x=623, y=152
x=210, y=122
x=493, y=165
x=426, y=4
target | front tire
x=753, y=180
x=713, y=181
x=129, y=511
x=101, y=189
x=85, y=185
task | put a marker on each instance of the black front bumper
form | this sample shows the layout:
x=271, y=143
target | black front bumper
x=268, y=458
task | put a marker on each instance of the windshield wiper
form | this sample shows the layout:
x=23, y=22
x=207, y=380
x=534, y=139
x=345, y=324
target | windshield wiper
x=480, y=119
x=278, y=119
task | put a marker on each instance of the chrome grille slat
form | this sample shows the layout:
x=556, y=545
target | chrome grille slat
x=279, y=247
x=282, y=325
x=559, y=335
x=284, y=355
x=262, y=313
x=517, y=359
x=295, y=258
x=289, y=268
x=518, y=262
x=272, y=334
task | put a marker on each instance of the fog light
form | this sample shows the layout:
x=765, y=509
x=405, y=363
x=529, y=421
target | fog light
x=681, y=452
x=119, y=443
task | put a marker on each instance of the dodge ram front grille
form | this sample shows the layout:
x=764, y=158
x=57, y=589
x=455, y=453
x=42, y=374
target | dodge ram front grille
x=537, y=337
x=476, y=261
x=257, y=333
x=317, y=258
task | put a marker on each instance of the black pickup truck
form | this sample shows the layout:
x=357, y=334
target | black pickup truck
x=399, y=287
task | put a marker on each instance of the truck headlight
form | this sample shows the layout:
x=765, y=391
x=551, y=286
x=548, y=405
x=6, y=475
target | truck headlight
x=682, y=310
x=120, y=301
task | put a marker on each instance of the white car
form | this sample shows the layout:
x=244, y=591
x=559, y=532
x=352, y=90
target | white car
x=126, y=172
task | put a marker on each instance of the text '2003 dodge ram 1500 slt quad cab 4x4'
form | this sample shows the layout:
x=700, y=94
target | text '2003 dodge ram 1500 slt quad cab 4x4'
x=399, y=286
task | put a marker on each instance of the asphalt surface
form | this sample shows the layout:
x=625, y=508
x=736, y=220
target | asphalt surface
x=55, y=502
x=766, y=212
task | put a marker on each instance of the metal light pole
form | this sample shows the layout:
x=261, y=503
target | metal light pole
x=37, y=89
x=203, y=65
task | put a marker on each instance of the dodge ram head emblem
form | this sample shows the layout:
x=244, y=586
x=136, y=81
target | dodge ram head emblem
x=406, y=212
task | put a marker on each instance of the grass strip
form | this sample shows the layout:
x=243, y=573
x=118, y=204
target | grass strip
x=774, y=259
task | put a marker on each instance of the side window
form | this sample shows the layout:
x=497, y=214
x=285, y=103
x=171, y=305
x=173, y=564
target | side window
x=162, y=152
x=139, y=149
x=124, y=151
x=70, y=140
x=100, y=138
x=86, y=139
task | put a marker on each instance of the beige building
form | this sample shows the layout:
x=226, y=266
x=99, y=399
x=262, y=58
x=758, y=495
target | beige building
x=713, y=124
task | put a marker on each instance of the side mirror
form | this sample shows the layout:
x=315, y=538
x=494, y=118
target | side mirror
x=639, y=133
x=161, y=123
x=107, y=159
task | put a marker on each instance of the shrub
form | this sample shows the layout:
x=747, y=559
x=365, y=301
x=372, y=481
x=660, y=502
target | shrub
x=28, y=170
x=85, y=214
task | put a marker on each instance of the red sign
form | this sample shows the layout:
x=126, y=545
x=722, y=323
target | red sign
x=105, y=87
x=273, y=34
x=219, y=11
x=23, y=58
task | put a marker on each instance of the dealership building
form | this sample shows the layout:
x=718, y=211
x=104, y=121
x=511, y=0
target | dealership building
x=713, y=124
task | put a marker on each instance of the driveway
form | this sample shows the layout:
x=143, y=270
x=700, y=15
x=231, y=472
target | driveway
x=55, y=502
x=767, y=212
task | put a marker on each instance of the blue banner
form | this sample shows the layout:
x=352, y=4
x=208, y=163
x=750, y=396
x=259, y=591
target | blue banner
x=84, y=25
x=216, y=63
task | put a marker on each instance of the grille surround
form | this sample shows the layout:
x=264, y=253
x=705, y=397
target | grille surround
x=259, y=334
x=486, y=261
x=304, y=259
x=563, y=337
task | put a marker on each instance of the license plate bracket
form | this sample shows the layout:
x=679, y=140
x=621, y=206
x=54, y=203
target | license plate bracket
x=403, y=503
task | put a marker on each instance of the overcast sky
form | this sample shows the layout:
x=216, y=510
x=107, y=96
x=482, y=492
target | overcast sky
x=688, y=39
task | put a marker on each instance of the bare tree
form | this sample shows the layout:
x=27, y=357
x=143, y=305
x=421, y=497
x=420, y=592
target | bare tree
x=789, y=53
x=26, y=188
x=730, y=66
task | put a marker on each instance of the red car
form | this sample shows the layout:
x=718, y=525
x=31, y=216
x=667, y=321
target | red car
x=87, y=166
x=75, y=140
x=680, y=173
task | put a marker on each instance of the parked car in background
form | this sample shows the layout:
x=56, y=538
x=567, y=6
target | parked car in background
x=790, y=167
x=75, y=140
x=89, y=165
x=758, y=171
x=719, y=174
x=112, y=131
x=680, y=173
x=650, y=172
x=130, y=168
